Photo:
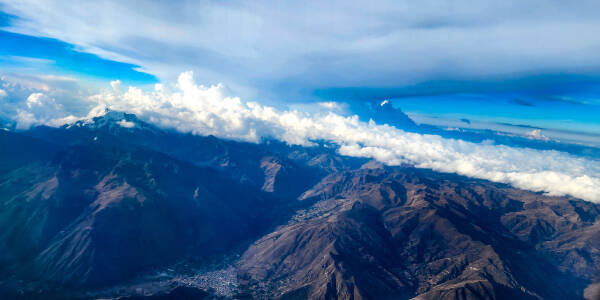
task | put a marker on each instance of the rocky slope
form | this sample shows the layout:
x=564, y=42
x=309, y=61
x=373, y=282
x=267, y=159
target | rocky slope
x=399, y=233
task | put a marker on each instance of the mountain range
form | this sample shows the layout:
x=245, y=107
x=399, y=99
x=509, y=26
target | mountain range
x=117, y=208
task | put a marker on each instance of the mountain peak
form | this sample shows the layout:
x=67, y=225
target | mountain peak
x=110, y=119
x=386, y=113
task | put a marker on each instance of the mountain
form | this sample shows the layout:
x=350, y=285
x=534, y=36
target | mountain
x=94, y=215
x=385, y=113
x=247, y=163
x=115, y=207
x=399, y=233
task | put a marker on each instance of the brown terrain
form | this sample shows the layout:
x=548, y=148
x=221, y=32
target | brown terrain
x=402, y=233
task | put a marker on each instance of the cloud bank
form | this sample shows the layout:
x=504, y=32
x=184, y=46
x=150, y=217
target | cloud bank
x=204, y=110
x=29, y=100
x=312, y=44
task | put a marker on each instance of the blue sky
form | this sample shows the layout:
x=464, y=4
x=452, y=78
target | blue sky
x=530, y=64
x=571, y=110
x=36, y=55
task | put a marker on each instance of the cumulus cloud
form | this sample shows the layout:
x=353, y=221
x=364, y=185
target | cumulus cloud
x=28, y=101
x=115, y=84
x=37, y=99
x=208, y=110
x=203, y=110
x=536, y=134
x=41, y=109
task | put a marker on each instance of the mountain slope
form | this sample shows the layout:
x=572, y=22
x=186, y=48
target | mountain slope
x=246, y=163
x=400, y=233
x=95, y=215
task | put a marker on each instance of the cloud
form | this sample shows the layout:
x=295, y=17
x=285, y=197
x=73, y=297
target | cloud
x=126, y=124
x=333, y=106
x=115, y=84
x=37, y=99
x=536, y=134
x=41, y=110
x=27, y=101
x=313, y=44
x=204, y=110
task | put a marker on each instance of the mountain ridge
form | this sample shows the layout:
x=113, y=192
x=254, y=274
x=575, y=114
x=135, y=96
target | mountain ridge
x=89, y=206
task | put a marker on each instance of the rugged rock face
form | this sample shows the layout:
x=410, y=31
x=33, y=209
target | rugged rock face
x=342, y=256
x=97, y=208
x=401, y=233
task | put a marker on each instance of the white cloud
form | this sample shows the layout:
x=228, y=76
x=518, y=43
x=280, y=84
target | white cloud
x=326, y=43
x=30, y=100
x=333, y=106
x=115, y=84
x=189, y=107
x=536, y=134
x=41, y=109
x=37, y=99
x=207, y=110
x=126, y=124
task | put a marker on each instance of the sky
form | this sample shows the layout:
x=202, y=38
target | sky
x=525, y=68
x=542, y=51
